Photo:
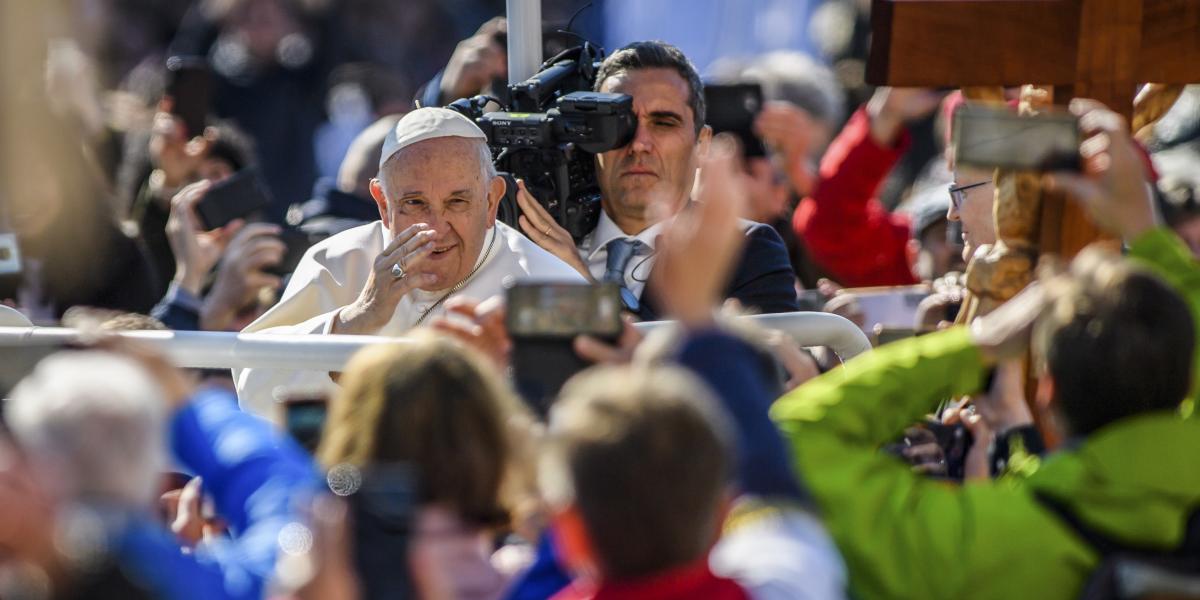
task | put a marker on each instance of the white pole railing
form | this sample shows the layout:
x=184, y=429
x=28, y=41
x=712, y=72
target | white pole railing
x=222, y=350
x=524, y=39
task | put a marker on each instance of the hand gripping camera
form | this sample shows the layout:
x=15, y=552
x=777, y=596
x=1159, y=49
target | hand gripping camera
x=549, y=135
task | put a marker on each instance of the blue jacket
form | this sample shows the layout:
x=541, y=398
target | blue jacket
x=762, y=280
x=256, y=477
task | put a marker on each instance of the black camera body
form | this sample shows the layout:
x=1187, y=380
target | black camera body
x=550, y=134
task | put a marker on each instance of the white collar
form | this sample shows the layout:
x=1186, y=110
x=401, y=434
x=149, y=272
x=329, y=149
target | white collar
x=606, y=231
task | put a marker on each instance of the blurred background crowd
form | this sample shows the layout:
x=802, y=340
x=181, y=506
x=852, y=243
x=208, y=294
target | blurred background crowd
x=94, y=154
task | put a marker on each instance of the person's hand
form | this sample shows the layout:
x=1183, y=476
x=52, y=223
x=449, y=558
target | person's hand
x=1113, y=186
x=172, y=153
x=380, y=296
x=977, y=464
x=923, y=452
x=476, y=62
x=481, y=326
x=1003, y=407
x=1005, y=332
x=196, y=251
x=603, y=353
x=889, y=109
x=698, y=248
x=799, y=364
x=540, y=227
x=27, y=521
x=790, y=131
x=185, y=504
x=240, y=275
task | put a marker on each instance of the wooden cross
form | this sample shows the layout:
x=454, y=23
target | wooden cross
x=1100, y=49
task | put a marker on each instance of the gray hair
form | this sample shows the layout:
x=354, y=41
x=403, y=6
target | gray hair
x=656, y=55
x=96, y=422
x=795, y=77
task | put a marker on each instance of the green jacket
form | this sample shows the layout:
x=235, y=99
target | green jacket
x=907, y=536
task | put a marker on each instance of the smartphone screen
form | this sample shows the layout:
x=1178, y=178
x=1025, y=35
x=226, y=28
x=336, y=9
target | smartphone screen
x=235, y=197
x=304, y=419
x=189, y=84
x=564, y=310
x=988, y=138
x=733, y=108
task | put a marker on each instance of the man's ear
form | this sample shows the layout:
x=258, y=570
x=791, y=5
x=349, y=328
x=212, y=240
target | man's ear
x=380, y=201
x=703, y=142
x=574, y=545
x=495, y=193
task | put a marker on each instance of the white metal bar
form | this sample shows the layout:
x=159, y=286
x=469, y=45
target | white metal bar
x=524, y=39
x=222, y=350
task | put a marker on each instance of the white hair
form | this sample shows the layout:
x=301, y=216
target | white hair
x=94, y=425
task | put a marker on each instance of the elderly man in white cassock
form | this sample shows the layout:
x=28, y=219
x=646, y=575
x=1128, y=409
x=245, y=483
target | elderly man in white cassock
x=437, y=238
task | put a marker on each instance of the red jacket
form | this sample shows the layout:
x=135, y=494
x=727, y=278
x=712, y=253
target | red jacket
x=690, y=581
x=848, y=231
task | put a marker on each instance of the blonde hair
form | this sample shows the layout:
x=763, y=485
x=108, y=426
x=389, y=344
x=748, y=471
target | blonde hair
x=436, y=405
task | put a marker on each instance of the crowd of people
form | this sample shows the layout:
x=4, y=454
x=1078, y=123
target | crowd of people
x=1041, y=450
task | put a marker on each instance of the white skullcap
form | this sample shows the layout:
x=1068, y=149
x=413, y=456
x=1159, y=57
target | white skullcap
x=425, y=124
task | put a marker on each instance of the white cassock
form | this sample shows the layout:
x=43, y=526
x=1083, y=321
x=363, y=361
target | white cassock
x=332, y=274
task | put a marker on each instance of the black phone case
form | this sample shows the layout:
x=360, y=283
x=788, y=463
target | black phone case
x=236, y=197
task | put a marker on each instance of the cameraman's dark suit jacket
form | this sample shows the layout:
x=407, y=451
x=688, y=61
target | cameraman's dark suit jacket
x=762, y=281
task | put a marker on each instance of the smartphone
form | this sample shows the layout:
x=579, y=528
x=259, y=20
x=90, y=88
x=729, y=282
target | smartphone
x=382, y=513
x=189, y=84
x=563, y=310
x=543, y=320
x=237, y=196
x=812, y=300
x=304, y=418
x=987, y=137
x=733, y=108
x=297, y=243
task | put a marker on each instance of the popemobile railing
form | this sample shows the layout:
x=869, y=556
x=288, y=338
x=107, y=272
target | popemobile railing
x=224, y=350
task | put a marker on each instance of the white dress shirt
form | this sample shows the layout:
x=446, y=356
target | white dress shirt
x=332, y=274
x=594, y=250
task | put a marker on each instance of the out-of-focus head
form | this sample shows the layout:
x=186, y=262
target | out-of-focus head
x=1179, y=203
x=636, y=468
x=438, y=407
x=794, y=77
x=229, y=150
x=435, y=168
x=971, y=198
x=93, y=424
x=1115, y=341
x=360, y=165
x=659, y=164
x=935, y=251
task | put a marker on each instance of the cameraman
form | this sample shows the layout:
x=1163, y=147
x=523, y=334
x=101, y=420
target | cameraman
x=657, y=167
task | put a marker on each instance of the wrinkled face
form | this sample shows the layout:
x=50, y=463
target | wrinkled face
x=974, y=209
x=659, y=165
x=441, y=183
